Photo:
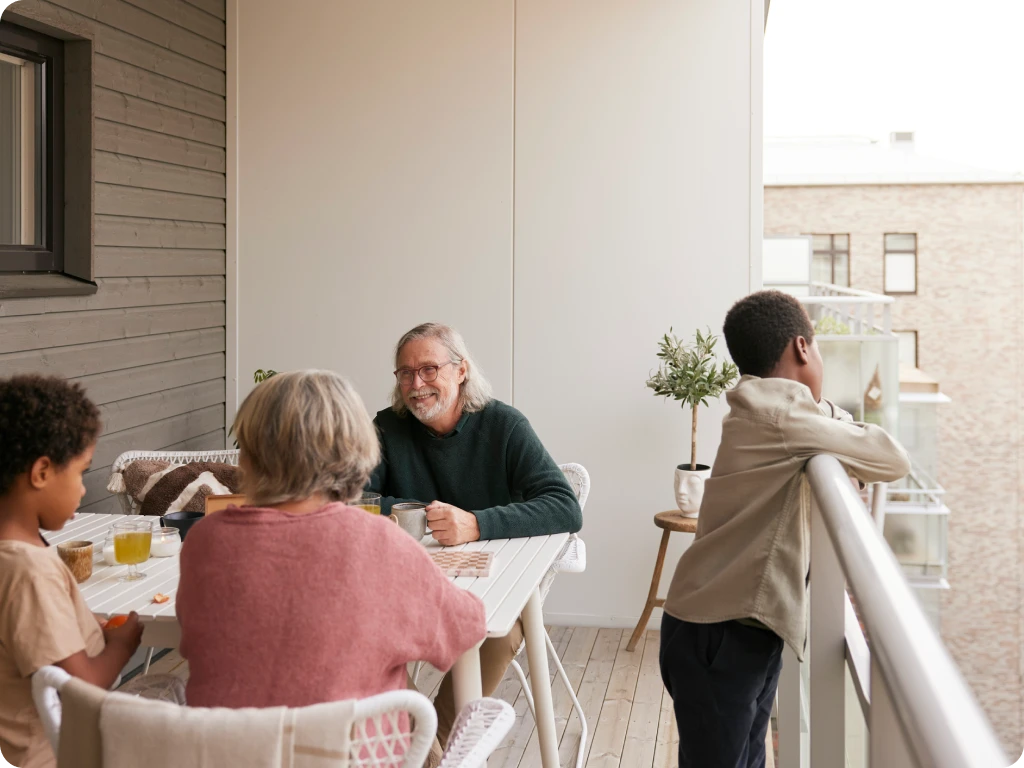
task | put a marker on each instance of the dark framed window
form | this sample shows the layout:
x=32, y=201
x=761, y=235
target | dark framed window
x=900, y=267
x=31, y=151
x=908, y=347
x=830, y=260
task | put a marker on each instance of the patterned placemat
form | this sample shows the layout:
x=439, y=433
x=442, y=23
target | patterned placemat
x=463, y=563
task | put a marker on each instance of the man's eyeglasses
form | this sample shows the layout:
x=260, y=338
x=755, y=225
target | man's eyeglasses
x=427, y=373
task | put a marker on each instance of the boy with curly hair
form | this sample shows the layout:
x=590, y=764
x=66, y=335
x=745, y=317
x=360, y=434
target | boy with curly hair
x=739, y=591
x=48, y=431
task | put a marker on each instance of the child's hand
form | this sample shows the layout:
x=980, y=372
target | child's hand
x=129, y=634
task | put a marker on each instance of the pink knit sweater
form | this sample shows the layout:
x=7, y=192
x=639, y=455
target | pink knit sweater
x=278, y=609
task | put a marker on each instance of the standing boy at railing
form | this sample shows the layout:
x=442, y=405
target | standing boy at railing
x=739, y=591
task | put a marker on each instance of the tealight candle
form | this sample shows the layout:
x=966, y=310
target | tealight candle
x=166, y=542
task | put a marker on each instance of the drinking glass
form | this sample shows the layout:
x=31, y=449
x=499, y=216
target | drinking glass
x=108, y=548
x=370, y=502
x=132, y=541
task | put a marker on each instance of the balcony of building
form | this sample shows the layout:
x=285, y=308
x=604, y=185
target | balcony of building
x=252, y=184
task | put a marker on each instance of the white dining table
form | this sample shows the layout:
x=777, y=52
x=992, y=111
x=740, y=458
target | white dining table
x=511, y=590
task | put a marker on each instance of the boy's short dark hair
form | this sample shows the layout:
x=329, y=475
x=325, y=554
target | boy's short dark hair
x=760, y=326
x=42, y=416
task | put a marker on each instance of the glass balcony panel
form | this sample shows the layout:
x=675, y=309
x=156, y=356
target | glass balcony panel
x=862, y=377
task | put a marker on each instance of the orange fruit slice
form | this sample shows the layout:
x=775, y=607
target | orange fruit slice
x=115, y=622
x=160, y=598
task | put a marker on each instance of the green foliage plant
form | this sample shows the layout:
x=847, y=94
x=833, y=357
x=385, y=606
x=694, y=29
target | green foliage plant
x=692, y=374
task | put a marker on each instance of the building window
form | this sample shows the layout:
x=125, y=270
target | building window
x=908, y=347
x=830, y=262
x=900, y=263
x=31, y=151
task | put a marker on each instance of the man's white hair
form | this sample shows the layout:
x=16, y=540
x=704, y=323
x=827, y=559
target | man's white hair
x=474, y=393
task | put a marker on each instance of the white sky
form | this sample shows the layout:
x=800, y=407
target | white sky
x=950, y=70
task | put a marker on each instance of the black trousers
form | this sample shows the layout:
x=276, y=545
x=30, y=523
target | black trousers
x=722, y=679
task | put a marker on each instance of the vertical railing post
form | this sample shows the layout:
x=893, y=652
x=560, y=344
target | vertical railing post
x=828, y=649
x=887, y=743
x=878, y=499
x=791, y=706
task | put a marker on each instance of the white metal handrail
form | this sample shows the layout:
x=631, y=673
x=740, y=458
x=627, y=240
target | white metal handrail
x=850, y=307
x=922, y=713
x=925, y=484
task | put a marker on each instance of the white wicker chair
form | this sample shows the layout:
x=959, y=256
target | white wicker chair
x=130, y=507
x=116, y=483
x=479, y=729
x=477, y=732
x=46, y=685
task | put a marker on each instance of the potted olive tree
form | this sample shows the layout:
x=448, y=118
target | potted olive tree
x=691, y=373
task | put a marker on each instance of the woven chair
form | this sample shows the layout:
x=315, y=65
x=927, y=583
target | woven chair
x=130, y=507
x=116, y=483
x=376, y=738
x=477, y=732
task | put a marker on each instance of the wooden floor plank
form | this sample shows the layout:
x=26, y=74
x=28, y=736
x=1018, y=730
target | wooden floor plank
x=560, y=638
x=511, y=751
x=509, y=691
x=610, y=733
x=167, y=664
x=666, y=750
x=428, y=680
x=574, y=660
x=591, y=693
x=645, y=715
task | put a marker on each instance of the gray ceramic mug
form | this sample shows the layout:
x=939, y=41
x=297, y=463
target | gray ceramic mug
x=411, y=517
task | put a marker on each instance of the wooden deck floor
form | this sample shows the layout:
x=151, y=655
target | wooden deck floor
x=628, y=712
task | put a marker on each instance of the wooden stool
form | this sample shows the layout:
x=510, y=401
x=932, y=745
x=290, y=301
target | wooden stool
x=670, y=521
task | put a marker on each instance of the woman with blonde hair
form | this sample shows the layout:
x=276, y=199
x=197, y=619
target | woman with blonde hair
x=298, y=598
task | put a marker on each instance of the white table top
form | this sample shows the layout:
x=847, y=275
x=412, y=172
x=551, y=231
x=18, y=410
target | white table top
x=519, y=566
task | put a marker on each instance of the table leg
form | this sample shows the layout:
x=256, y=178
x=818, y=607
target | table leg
x=652, y=596
x=540, y=680
x=467, y=684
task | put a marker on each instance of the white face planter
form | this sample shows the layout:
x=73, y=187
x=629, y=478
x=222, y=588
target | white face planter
x=689, y=488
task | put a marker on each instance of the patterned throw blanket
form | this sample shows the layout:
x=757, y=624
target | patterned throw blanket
x=160, y=487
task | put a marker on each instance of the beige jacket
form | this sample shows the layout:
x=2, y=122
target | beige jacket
x=751, y=554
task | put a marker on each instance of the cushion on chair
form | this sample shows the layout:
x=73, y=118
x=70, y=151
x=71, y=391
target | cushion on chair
x=159, y=487
x=139, y=732
x=80, y=745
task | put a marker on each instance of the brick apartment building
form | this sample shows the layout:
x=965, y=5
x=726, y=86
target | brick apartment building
x=948, y=243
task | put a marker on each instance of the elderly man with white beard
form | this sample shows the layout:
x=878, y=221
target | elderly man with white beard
x=475, y=461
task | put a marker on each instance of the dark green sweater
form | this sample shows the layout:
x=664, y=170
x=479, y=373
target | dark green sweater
x=492, y=464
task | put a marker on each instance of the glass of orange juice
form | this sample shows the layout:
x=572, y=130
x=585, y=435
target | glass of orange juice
x=132, y=540
x=370, y=502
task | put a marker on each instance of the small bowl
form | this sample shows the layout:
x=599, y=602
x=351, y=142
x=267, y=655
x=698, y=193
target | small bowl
x=183, y=521
x=77, y=556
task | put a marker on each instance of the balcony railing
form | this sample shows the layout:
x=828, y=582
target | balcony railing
x=917, y=710
x=917, y=527
x=856, y=313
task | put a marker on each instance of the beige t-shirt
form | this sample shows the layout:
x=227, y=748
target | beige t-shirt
x=43, y=620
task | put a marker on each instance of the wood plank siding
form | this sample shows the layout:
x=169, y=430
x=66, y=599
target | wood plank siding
x=149, y=345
